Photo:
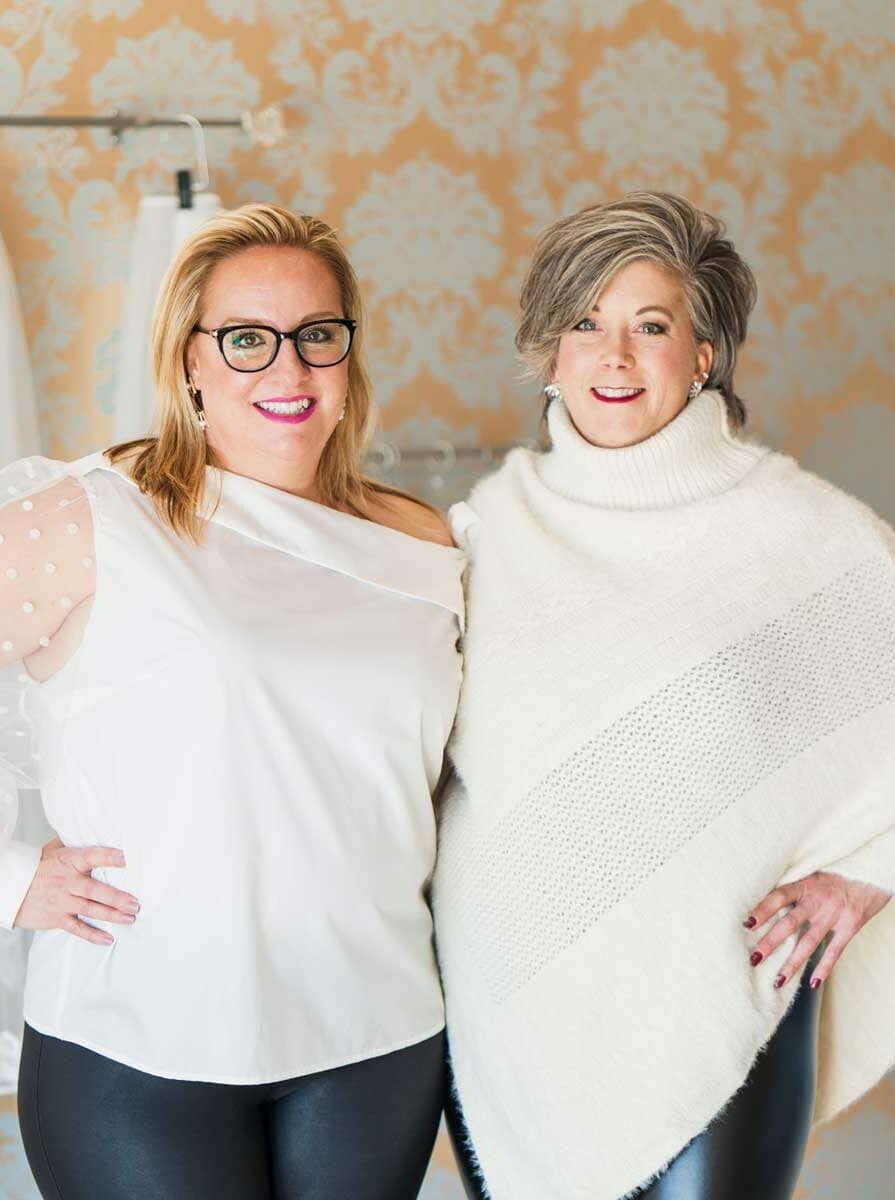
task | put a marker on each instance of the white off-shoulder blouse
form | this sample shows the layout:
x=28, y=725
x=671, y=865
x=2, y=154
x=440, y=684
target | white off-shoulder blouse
x=258, y=722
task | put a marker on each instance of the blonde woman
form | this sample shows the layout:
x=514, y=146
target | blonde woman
x=671, y=845
x=232, y=990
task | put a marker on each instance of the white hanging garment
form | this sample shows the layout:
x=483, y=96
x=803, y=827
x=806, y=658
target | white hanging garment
x=162, y=228
x=19, y=434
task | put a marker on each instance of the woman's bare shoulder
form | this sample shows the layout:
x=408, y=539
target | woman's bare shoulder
x=409, y=516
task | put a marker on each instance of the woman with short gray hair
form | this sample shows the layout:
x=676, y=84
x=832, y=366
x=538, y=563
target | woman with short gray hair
x=673, y=803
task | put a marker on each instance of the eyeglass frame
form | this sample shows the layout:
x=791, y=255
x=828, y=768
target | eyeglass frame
x=220, y=333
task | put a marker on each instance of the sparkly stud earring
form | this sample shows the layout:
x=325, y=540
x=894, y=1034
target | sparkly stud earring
x=552, y=392
x=697, y=385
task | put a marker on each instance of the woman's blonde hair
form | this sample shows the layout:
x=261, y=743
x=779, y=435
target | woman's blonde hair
x=577, y=257
x=171, y=467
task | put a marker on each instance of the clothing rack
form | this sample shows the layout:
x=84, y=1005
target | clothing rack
x=117, y=122
x=386, y=456
x=266, y=126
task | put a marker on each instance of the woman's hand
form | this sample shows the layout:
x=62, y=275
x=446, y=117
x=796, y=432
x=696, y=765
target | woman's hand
x=62, y=891
x=826, y=904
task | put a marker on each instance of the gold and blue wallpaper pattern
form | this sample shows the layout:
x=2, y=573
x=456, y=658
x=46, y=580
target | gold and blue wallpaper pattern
x=440, y=138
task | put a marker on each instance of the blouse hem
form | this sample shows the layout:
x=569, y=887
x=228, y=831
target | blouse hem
x=277, y=1077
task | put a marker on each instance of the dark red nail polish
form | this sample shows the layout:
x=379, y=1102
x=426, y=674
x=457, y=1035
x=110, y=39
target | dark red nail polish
x=779, y=981
x=749, y=922
x=756, y=957
x=815, y=983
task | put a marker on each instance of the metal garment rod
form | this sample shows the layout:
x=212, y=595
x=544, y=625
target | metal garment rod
x=445, y=450
x=442, y=456
x=383, y=454
x=117, y=122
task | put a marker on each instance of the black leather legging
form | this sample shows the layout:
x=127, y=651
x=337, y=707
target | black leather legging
x=96, y=1130
x=754, y=1148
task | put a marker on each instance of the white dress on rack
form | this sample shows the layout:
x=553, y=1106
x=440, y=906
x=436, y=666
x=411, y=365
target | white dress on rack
x=258, y=722
x=19, y=433
x=162, y=227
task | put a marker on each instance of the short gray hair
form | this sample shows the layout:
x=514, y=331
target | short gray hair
x=578, y=255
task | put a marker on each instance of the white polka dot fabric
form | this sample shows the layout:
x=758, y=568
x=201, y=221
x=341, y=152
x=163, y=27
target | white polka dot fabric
x=46, y=559
x=43, y=551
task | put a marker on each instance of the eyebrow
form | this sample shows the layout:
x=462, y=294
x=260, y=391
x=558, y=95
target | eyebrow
x=649, y=308
x=314, y=316
x=655, y=308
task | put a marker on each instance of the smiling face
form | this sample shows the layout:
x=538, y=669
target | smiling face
x=626, y=369
x=253, y=426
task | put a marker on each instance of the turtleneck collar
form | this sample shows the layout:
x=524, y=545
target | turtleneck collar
x=695, y=456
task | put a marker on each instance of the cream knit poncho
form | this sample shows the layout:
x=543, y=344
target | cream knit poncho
x=680, y=691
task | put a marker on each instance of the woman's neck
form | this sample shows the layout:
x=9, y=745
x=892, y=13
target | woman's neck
x=299, y=478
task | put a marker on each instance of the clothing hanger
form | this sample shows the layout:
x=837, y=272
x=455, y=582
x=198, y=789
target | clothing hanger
x=184, y=184
x=186, y=188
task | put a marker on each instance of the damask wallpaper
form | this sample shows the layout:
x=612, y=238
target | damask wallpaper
x=440, y=138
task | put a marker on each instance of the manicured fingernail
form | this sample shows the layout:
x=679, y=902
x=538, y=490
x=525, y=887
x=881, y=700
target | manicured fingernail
x=132, y=907
x=128, y=918
x=756, y=957
x=119, y=858
x=108, y=939
x=749, y=922
x=815, y=983
x=779, y=981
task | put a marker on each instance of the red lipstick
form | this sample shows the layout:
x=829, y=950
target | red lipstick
x=610, y=399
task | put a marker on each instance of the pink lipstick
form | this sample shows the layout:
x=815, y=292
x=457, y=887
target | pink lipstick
x=291, y=410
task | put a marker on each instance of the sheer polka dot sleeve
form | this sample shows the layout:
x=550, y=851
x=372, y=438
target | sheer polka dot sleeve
x=46, y=566
x=47, y=578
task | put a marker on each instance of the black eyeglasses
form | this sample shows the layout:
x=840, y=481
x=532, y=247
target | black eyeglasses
x=254, y=347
